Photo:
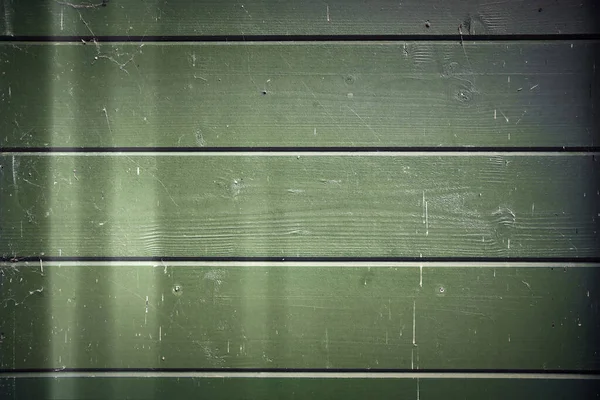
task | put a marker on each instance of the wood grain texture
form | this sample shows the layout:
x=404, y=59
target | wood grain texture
x=338, y=317
x=272, y=17
x=300, y=94
x=228, y=388
x=287, y=206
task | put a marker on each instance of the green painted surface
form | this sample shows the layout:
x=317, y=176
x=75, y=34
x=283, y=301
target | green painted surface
x=290, y=206
x=419, y=93
x=157, y=315
x=274, y=17
x=299, y=94
x=167, y=388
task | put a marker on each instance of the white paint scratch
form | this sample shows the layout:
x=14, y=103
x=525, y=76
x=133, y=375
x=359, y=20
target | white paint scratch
x=423, y=205
x=505, y=117
x=533, y=87
x=526, y=284
x=366, y=124
x=532, y=208
x=421, y=271
x=14, y=172
x=62, y=18
x=521, y=117
x=41, y=266
x=160, y=337
x=328, y=16
x=495, y=114
x=8, y=31
x=508, y=243
x=414, y=326
x=418, y=390
x=138, y=170
x=426, y=221
x=107, y=120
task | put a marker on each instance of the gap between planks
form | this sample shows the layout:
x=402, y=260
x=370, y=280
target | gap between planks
x=301, y=375
x=307, y=264
x=350, y=153
x=244, y=40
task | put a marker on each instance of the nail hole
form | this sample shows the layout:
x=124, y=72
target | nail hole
x=427, y=24
x=263, y=92
x=442, y=289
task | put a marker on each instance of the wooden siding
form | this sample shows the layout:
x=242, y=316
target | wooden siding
x=341, y=199
x=309, y=17
x=504, y=94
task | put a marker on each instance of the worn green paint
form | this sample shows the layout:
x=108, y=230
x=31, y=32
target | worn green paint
x=299, y=94
x=273, y=17
x=156, y=315
x=240, y=388
x=285, y=206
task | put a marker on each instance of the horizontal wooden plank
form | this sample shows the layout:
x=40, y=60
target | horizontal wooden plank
x=294, y=94
x=272, y=17
x=228, y=388
x=352, y=205
x=158, y=315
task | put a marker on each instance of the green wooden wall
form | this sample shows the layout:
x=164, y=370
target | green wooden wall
x=325, y=199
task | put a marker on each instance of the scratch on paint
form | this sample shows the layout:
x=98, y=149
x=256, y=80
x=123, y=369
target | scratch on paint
x=365, y=124
x=414, y=327
x=418, y=390
x=328, y=16
x=420, y=272
x=14, y=173
x=8, y=31
x=107, y=120
x=426, y=221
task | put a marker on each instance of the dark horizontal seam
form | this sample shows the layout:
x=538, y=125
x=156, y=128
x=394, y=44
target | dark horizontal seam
x=262, y=149
x=306, y=38
x=566, y=260
x=307, y=370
